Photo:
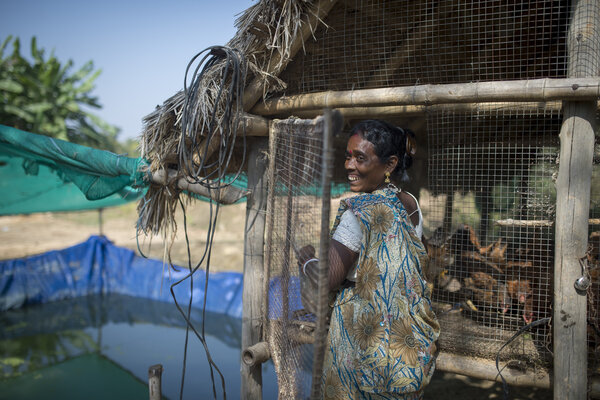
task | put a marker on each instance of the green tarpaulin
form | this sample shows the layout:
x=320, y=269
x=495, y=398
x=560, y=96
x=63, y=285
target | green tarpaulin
x=39, y=173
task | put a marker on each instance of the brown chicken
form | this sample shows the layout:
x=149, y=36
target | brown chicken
x=487, y=291
x=519, y=290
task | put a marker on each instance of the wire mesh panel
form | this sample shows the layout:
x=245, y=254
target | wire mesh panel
x=593, y=263
x=491, y=228
x=386, y=43
x=297, y=192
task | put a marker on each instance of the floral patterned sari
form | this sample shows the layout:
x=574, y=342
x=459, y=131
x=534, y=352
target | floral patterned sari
x=383, y=330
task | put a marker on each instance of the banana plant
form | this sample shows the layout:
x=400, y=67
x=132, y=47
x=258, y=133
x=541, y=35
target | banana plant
x=41, y=94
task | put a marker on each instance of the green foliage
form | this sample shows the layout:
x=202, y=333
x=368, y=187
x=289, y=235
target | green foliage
x=44, y=96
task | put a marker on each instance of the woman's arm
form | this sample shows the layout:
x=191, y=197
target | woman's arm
x=341, y=259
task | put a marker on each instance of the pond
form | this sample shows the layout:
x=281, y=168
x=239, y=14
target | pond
x=99, y=347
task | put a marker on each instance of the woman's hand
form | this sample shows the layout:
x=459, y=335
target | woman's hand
x=307, y=263
x=305, y=254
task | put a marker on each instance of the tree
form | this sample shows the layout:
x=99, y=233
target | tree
x=43, y=96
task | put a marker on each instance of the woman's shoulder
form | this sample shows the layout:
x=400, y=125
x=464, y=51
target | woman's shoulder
x=408, y=201
x=363, y=200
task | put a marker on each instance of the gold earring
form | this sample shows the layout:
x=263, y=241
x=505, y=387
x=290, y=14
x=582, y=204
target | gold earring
x=387, y=177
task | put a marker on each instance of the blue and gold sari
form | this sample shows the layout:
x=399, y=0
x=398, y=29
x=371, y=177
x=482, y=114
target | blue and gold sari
x=383, y=329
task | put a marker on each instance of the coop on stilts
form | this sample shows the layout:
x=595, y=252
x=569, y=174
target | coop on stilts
x=503, y=98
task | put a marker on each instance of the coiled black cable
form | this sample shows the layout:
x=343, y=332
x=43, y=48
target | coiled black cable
x=222, y=124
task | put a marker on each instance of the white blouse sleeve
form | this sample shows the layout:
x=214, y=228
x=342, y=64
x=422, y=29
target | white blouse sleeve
x=349, y=234
x=348, y=231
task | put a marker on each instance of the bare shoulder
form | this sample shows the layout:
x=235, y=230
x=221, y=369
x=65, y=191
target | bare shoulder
x=410, y=204
x=408, y=201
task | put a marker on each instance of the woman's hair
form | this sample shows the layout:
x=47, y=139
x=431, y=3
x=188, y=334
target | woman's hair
x=388, y=140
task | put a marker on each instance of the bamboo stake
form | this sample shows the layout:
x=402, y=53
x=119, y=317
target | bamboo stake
x=154, y=382
x=479, y=92
x=572, y=208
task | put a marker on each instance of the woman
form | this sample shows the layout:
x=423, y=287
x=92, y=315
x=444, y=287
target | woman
x=383, y=329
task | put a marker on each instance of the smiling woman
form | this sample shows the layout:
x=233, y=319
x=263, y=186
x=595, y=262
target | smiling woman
x=383, y=330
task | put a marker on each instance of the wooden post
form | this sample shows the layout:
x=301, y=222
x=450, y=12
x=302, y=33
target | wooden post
x=252, y=296
x=572, y=209
x=154, y=382
x=323, y=271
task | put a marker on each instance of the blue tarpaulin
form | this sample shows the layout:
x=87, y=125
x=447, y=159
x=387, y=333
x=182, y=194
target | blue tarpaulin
x=97, y=266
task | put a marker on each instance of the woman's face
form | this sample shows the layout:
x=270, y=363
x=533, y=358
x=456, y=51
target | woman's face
x=365, y=171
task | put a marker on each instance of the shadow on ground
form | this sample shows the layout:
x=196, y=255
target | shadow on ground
x=445, y=385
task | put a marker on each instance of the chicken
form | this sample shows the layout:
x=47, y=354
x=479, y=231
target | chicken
x=487, y=291
x=519, y=290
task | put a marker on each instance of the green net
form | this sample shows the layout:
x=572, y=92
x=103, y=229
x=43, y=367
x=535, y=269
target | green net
x=39, y=173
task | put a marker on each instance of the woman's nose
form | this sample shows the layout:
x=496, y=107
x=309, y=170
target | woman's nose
x=349, y=164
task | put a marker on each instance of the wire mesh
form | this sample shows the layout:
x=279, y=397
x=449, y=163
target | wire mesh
x=385, y=43
x=593, y=263
x=491, y=227
x=295, y=212
x=491, y=169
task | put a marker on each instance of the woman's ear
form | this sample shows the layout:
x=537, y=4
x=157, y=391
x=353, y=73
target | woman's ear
x=391, y=164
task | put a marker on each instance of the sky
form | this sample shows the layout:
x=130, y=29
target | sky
x=142, y=47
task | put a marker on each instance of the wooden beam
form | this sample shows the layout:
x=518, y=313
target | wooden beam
x=227, y=195
x=572, y=208
x=535, y=90
x=252, y=295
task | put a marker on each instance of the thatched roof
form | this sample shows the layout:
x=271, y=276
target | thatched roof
x=349, y=45
x=186, y=133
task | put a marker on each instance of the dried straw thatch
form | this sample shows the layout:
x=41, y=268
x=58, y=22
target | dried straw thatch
x=194, y=131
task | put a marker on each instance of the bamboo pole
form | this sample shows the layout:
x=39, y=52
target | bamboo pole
x=520, y=222
x=477, y=92
x=421, y=110
x=481, y=368
x=227, y=195
x=252, y=295
x=254, y=125
x=249, y=125
x=572, y=208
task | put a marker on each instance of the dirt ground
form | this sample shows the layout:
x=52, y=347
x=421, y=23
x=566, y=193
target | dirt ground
x=26, y=235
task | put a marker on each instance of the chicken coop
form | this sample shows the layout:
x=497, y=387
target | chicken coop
x=503, y=98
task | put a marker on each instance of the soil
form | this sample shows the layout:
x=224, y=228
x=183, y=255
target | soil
x=26, y=235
